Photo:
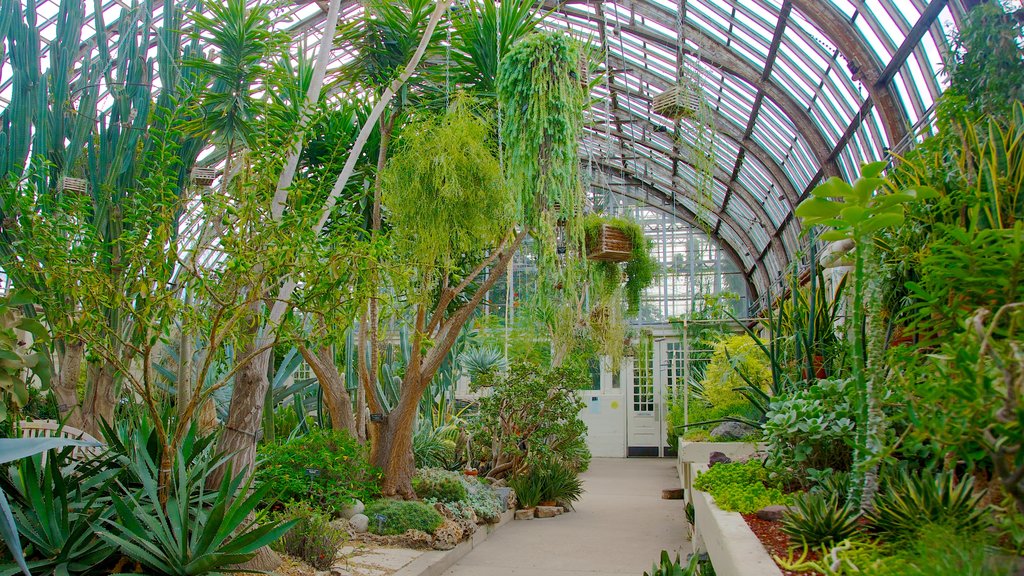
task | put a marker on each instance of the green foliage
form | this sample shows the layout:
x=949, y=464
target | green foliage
x=911, y=499
x=669, y=567
x=529, y=489
x=711, y=416
x=640, y=269
x=481, y=360
x=811, y=428
x=341, y=473
x=440, y=485
x=816, y=520
x=542, y=103
x=484, y=33
x=397, y=516
x=736, y=359
x=18, y=360
x=434, y=446
x=985, y=67
x=312, y=538
x=740, y=487
x=531, y=418
x=197, y=531
x=483, y=499
x=58, y=507
x=444, y=191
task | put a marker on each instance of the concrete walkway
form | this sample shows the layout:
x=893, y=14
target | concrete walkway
x=619, y=528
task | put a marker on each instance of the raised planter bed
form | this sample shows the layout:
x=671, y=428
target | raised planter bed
x=731, y=545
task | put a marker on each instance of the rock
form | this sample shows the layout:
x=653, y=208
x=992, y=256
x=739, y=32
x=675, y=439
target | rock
x=340, y=571
x=772, y=513
x=672, y=494
x=447, y=535
x=360, y=523
x=353, y=509
x=718, y=458
x=526, y=514
x=505, y=495
x=727, y=431
x=548, y=511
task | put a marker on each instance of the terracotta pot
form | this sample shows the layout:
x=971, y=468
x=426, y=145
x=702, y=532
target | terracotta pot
x=470, y=472
x=548, y=503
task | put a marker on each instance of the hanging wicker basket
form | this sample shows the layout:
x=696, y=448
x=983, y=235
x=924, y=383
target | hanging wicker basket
x=69, y=184
x=609, y=245
x=204, y=176
x=677, y=102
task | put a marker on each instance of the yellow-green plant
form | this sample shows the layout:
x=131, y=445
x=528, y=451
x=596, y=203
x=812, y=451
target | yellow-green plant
x=20, y=361
x=736, y=360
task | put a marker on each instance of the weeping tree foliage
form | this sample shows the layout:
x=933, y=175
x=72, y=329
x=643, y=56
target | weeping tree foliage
x=542, y=98
x=444, y=190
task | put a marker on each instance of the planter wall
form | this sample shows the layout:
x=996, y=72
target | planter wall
x=733, y=548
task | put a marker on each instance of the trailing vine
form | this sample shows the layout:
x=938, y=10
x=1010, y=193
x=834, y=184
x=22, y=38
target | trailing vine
x=640, y=269
x=542, y=102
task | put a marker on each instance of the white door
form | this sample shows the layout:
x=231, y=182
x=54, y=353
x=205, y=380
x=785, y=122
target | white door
x=651, y=387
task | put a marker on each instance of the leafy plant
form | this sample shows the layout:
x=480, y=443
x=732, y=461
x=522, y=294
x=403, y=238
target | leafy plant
x=17, y=360
x=532, y=417
x=529, y=489
x=740, y=487
x=434, y=446
x=11, y=450
x=910, y=500
x=639, y=270
x=855, y=213
x=325, y=467
x=195, y=531
x=397, y=516
x=440, y=485
x=669, y=567
x=58, y=507
x=313, y=538
x=810, y=429
x=481, y=360
x=737, y=360
x=486, y=503
x=816, y=520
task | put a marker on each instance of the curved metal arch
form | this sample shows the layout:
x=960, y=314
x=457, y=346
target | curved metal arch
x=726, y=60
x=686, y=215
x=729, y=128
x=853, y=48
x=729, y=184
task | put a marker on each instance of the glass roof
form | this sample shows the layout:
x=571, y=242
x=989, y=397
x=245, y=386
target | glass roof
x=800, y=90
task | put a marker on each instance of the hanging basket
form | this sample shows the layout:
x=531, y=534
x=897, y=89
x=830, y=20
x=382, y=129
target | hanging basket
x=69, y=184
x=677, y=102
x=609, y=245
x=204, y=176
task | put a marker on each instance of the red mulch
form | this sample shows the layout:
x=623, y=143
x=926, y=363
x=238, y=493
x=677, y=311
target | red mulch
x=776, y=542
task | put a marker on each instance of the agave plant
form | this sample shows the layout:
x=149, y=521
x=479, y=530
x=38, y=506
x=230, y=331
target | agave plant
x=669, y=567
x=194, y=531
x=478, y=361
x=816, y=520
x=911, y=500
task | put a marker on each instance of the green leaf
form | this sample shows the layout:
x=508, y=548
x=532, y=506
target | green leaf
x=873, y=169
x=818, y=208
x=835, y=235
x=853, y=214
x=881, y=221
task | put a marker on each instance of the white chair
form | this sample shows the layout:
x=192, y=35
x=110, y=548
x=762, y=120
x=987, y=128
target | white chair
x=53, y=429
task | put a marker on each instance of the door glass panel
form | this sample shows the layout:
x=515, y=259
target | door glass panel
x=643, y=381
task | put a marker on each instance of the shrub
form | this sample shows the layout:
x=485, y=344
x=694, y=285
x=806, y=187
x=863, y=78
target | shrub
x=910, y=500
x=811, y=428
x=342, y=474
x=532, y=416
x=313, y=538
x=549, y=482
x=528, y=488
x=440, y=485
x=740, y=487
x=735, y=353
x=397, y=516
x=668, y=567
x=817, y=520
x=484, y=500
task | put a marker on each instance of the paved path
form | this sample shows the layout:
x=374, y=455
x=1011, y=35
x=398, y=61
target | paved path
x=619, y=528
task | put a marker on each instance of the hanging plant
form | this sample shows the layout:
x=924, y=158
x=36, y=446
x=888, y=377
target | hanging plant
x=542, y=105
x=640, y=267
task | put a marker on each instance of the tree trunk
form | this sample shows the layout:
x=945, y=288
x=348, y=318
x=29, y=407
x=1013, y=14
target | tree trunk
x=245, y=417
x=100, y=397
x=393, y=454
x=336, y=397
x=65, y=387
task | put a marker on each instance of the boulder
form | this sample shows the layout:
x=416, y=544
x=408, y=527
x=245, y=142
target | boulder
x=447, y=535
x=728, y=431
x=773, y=513
x=351, y=510
x=526, y=514
x=505, y=495
x=360, y=523
x=718, y=458
x=548, y=511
